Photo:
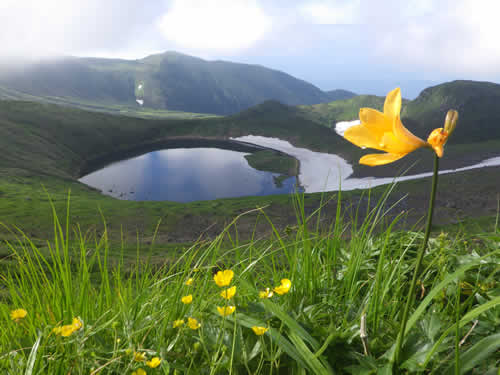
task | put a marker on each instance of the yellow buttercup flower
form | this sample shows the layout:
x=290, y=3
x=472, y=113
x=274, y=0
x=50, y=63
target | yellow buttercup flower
x=139, y=371
x=154, y=363
x=223, y=278
x=178, y=323
x=259, y=331
x=189, y=281
x=284, y=287
x=385, y=132
x=68, y=329
x=228, y=293
x=139, y=356
x=187, y=299
x=267, y=293
x=193, y=323
x=226, y=310
x=77, y=324
x=18, y=314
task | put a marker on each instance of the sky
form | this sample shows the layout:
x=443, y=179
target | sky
x=368, y=46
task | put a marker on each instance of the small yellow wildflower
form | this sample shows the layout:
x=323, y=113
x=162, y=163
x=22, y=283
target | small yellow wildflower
x=259, y=331
x=178, y=323
x=226, y=310
x=18, y=314
x=187, y=299
x=193, y=323
x=284, y=287
x=267, y=293
x=223, y=278
x=139, y=371
x=68, y=329
x=154, y=363
x=228, y=293
x=77, y=324
x=139, y=356
x=189, y=281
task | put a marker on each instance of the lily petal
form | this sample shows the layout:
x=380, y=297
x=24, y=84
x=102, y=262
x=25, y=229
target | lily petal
x=409, y=141
x=374, y=120
x=392, y=104
x=379, y=159
x=362, y=137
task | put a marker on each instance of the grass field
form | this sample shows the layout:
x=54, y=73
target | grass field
x=102, y=283
x=333, y=305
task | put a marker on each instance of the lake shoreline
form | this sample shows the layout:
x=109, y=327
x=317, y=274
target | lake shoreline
x=91, y=165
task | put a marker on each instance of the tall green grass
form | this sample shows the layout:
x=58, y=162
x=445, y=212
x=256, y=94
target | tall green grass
x=350, y=280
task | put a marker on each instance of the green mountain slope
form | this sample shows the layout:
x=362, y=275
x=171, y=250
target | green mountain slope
x=341, y=110
x=477, y=104
x=340, y=94
x=46, y=139
x=171, y=81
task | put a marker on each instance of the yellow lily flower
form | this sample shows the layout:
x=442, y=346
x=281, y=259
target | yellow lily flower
x=386, y=132
x=223, y=278
x=189, y=281
x=139, y=371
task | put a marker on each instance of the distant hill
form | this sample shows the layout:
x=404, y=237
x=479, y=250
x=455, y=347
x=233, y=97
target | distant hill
x=329, y=114
x=478, y=105
x=340, y=94
x=171, y=81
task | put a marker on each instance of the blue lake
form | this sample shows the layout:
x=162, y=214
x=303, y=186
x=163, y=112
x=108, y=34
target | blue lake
x=185, y=175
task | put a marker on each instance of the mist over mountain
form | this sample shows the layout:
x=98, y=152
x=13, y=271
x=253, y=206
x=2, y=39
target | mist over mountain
x=169, y=80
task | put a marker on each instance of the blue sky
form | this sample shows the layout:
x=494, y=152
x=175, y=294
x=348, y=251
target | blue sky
x=368, y=46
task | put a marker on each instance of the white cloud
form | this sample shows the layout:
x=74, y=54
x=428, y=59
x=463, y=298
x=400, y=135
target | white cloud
x=331, y=13
x=454, y=37
x=218, y=24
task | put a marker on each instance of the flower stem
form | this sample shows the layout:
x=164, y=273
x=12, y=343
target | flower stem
x=420, y=256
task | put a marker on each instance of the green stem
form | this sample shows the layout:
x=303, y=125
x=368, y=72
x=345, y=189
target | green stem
x=457, y=330
x=418, y=263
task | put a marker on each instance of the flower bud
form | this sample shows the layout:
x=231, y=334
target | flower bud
x=451, y=121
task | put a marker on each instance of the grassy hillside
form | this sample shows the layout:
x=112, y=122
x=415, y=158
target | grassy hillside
x=169, y=81
x=50, y=145
x=131, y=110
x=476, y=103
x=477, y=136
x=340, y=94
x=61, y=141
x=329, y=114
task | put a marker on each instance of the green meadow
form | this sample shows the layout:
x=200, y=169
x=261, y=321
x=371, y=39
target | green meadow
x=94, y=285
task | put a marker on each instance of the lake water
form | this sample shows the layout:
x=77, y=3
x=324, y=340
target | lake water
x=188, y=174
x=184, y=175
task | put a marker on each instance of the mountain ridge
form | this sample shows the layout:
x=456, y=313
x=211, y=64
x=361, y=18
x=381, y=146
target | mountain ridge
x=168, y=81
